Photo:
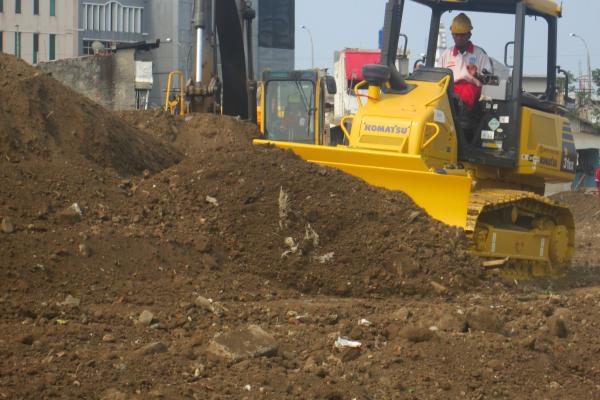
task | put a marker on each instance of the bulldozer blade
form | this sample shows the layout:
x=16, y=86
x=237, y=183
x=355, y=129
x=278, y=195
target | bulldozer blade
x=443, y=197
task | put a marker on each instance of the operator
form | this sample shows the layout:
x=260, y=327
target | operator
x=467, y=62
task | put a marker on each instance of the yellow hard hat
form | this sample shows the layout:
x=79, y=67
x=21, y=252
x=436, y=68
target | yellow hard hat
x=461, y=24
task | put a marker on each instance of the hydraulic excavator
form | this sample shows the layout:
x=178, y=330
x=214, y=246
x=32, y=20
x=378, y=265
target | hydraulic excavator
x=488, y=179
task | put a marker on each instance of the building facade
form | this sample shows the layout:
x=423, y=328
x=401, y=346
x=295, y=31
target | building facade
x=110, y=22
x=39, y=30
x=274, y=37
x=171, y=22
x=46, y=30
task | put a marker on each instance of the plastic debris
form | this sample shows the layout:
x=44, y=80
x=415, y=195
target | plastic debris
x=341, y=343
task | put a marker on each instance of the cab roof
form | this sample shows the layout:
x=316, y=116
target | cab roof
x=536, y=7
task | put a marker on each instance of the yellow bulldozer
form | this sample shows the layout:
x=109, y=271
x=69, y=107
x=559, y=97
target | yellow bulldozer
x=488, y=176
x=294, y=105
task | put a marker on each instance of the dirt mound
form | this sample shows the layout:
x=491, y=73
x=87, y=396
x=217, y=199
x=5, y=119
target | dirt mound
x=41, y=118
x=586, y=211
x=126, y=297
x=307, y=227
x=584, y=206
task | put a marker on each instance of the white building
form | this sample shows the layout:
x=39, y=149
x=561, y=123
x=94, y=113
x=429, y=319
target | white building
x=45, y=30
x=39, y=30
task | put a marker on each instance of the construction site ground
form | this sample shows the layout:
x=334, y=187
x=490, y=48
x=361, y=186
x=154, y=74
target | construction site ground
x=149, y=256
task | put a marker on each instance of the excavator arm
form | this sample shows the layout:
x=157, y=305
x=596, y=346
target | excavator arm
x=220, y=42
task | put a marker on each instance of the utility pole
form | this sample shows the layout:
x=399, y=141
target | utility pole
x=589, y=65
x=312, y=48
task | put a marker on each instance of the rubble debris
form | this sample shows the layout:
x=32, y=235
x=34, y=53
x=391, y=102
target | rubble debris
x=250, y=342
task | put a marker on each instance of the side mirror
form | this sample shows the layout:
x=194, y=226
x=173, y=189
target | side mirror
x=330, y=84
x=506, y=46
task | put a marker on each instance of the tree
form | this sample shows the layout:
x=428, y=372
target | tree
x=596, y=79
x=572, y=80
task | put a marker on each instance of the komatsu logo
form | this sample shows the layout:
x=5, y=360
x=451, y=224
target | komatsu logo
x=392, y=129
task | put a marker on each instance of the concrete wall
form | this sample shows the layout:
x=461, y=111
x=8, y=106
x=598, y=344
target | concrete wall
x=107, y=79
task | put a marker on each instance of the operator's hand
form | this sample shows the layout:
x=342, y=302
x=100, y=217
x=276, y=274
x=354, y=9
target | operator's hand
x=474, y=76
x=472, y=69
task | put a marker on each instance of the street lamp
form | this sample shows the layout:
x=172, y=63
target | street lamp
x=187, y=49
x=312, y=48
x=589, y=67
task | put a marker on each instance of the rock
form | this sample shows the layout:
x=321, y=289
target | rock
x=416, y=334
x=439, y=288
x=407, y=266
x=70, y=301
x=146, y=317
x=558, y=327
x=212, y=200
x=26, y=339
x=152, y=348
x=496, y=365
x=451, y=323
x=247, y=343
x=72, y=214
x=210, y=305
x=412, y=216
x=108, y=338
x=563, y=313
x=349, y=354
x=402, y=314
x=113, y=394
x=310, y=365
x=84, y=250
x=7, y=225
x=484, y=319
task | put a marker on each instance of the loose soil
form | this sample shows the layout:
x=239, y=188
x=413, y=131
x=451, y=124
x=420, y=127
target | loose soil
x=175, y=208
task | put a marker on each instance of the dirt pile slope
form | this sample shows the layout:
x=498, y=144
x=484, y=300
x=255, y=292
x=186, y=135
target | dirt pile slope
x=41, y=118
x=311, y=228
x=112, y=302
x=586, y=212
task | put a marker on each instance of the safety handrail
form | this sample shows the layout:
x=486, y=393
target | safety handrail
x=445, y=82
x=343, y=126
x=358, y=86
x=433, y=137
x=171, y=104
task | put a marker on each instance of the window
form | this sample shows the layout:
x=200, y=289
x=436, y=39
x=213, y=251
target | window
x=36, y=7
x=111, y=17
x=36, y=47
x=53, y=8
x=87, y=45
x=52, y=47
x=17, y=6
x=1, y=5
x=18, y=44
x=1, y=40
x=288, y=116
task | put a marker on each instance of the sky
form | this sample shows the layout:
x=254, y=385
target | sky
x=337, y=24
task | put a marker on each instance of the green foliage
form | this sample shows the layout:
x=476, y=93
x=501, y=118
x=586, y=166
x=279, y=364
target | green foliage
x=596, y=79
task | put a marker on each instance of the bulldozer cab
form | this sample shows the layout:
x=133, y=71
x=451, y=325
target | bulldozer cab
x=292, y=105
x=492, y=135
